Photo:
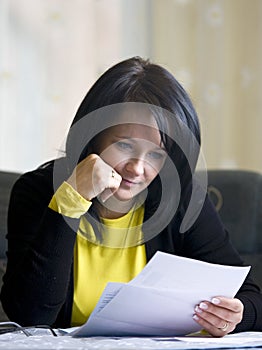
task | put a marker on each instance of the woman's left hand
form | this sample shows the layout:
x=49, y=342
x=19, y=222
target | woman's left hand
x=220, y=316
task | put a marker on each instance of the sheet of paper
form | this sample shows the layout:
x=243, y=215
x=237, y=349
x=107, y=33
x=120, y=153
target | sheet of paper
x=238, y=339
x=160, y=301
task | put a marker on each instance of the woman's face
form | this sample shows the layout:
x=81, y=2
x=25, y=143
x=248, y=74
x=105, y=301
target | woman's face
x=136, y=152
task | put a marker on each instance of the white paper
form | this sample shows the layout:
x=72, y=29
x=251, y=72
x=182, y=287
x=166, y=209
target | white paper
x=237, y=339
x=160, y=301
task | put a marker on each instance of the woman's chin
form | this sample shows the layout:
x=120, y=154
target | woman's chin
x=124, y=197
x=123, y=194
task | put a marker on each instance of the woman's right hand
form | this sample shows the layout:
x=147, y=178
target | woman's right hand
x=93, y=177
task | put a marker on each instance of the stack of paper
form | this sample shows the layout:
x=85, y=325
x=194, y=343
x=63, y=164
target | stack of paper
x=160, y=301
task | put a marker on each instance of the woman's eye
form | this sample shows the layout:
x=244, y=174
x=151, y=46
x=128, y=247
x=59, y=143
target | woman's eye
x=124, y=145
x=156, y=155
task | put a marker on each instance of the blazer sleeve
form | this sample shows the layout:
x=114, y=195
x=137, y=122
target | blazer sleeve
x=40, y=252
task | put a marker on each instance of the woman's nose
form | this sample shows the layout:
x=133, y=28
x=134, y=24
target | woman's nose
x=135, y=166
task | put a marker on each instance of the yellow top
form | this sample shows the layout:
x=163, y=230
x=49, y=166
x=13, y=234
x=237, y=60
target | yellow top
x=96, y=264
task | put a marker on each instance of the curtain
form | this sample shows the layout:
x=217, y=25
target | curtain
x=51, y=52
x=214, y=47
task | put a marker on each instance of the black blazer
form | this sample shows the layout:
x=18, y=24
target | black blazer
x=38, y=284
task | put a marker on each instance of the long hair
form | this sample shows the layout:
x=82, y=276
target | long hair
x=140, y=81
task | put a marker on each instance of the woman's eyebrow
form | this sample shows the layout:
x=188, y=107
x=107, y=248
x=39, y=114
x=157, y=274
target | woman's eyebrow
x=133, y=139
x=123, y=137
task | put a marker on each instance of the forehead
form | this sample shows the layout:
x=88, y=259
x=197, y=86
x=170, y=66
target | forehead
x=138, y=124
x=137, y=131
x=134, y=114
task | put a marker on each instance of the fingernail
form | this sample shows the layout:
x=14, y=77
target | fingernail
x=203, y=306
x=215, y=301
x=197, y=309
x=195, y=317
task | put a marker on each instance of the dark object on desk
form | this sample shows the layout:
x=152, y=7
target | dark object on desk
x=7, y=180
x=12, y=327
x=237, y=195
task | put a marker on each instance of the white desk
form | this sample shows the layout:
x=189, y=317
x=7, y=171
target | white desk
x=49, y=342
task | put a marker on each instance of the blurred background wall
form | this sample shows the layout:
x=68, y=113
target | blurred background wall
x=52, y=51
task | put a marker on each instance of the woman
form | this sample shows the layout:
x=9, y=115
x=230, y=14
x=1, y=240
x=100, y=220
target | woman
x=124, y=190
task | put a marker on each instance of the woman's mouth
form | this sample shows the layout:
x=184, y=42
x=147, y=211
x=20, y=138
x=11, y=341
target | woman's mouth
x=129, y=183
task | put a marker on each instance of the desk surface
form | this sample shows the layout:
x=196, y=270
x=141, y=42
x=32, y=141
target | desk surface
x=20, y=341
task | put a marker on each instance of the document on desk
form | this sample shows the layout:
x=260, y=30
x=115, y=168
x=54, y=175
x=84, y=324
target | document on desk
x=160, y=300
